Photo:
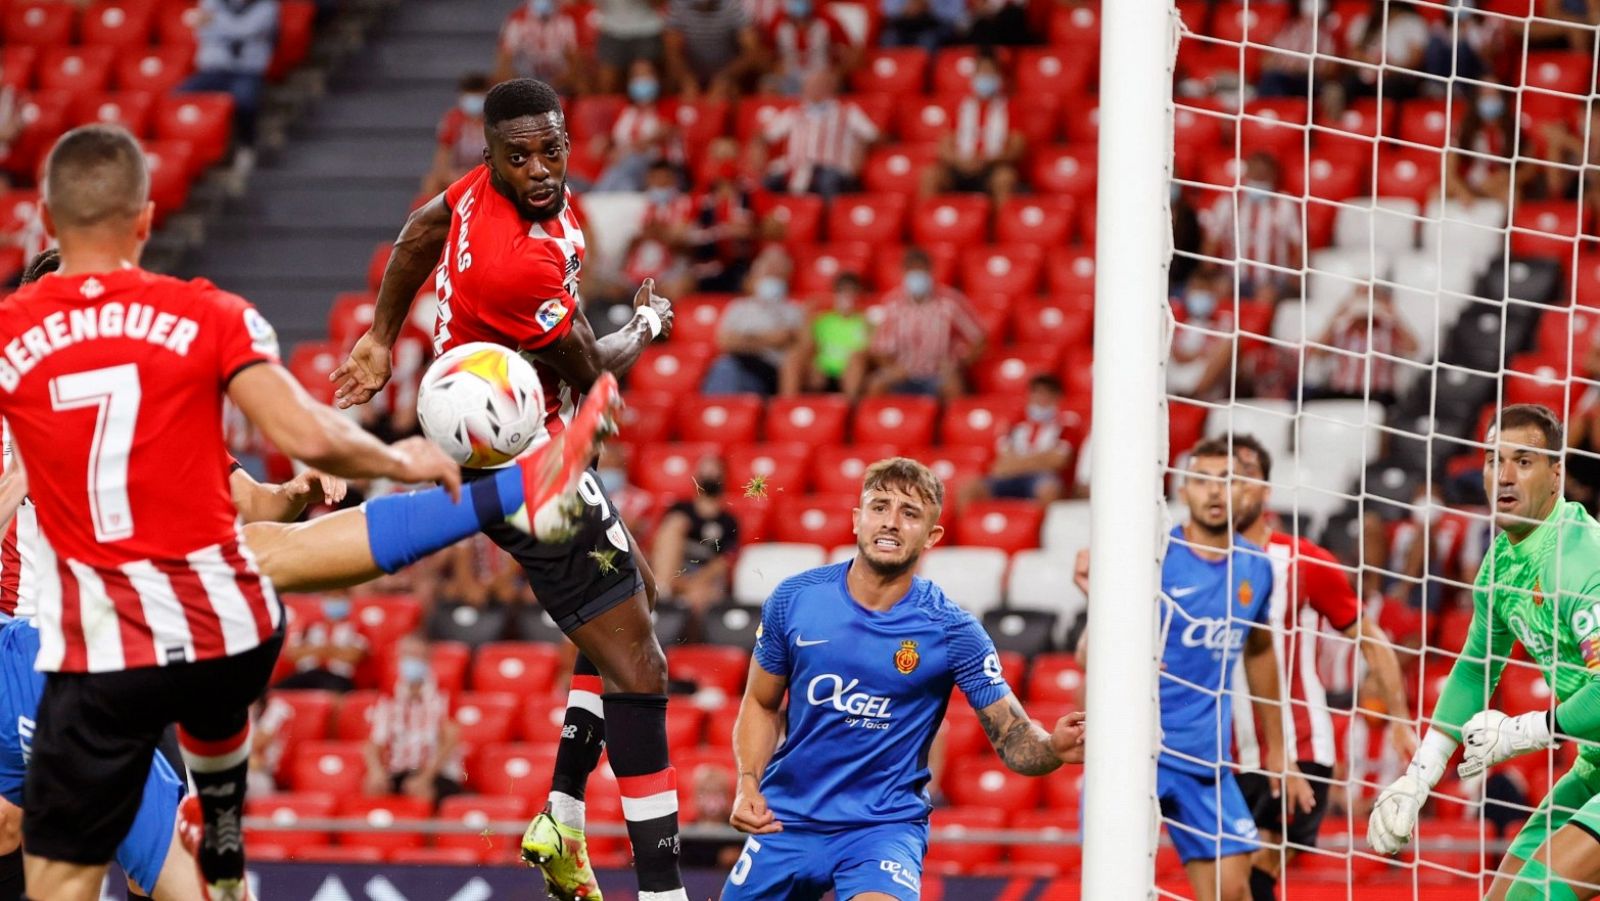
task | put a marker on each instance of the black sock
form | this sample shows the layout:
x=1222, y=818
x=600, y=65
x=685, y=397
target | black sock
x=636, y=732
x=1263, y=885
x=220, y=769
x=583, y=737
x=11, y=876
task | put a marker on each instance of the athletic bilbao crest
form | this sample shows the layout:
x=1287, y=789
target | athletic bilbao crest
x=907, y=658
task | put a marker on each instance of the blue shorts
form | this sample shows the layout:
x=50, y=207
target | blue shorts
x=802, y=863
x=144, y=850
x=1205, y=814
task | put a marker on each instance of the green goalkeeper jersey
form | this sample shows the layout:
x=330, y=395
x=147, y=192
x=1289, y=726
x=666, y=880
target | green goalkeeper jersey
x=1544, y=592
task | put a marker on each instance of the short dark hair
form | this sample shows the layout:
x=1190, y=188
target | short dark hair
x=473, y=82
x=95, y=173
x=518, y=98
x=906, y=474
x=1540, y=417
x=43, y=263
x=1250, y=442
x=1047, y=380
x=846, y=278
x=1211, y=447
x=916, y=256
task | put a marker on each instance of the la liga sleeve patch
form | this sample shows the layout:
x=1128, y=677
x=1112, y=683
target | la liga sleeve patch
x=263, y=338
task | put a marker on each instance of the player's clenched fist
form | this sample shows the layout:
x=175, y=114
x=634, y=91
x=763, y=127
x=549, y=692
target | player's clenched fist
x=654, y=310
x=362, y=374
x=1394, y=817
x=750, y=813
x=1490, y=737
x=1067, y=739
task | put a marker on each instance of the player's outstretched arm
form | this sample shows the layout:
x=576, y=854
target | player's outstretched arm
x=755, y=737
x=1026, y=748
x=317, y=435
x=364, y=373
x=1377, y=650
x=1262, y=676
x=258, y=502
x=579, y=357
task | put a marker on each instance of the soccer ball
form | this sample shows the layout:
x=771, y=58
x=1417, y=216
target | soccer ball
x=481, y=403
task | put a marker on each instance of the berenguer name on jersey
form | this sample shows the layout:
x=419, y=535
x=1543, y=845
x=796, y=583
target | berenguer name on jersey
x=62, y=329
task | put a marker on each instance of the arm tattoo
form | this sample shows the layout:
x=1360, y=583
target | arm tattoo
x=1023, y=747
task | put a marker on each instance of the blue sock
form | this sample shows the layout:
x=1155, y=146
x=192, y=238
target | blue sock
x=404, y=528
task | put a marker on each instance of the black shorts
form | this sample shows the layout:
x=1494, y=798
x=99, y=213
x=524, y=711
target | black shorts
x=96, y=732
x=577, y=580
x=1268, y=811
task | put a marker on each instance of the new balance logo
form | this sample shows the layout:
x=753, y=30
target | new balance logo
x=225, y=790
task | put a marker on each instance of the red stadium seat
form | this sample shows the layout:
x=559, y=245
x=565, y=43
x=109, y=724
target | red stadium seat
x=590, y=117
x=1544, y=228
x=447, y=857
x=1077, y=27
x=1043, y=221
x=837, y=469
x=77, y=69
x=879, y=108
x=960, y=219
x=1058, y=324
x=1409, y=172
x=352, y=721
x=1048, y=824
x=1008, y=369
x=116, y=24
x=540, y=717
x=820, y=519
x=1067, y=169
x=449, y=661
x=284, y=809
x=1008, y=525
x=902, y=420
x=728, y=420
x=668, y=469
x=385, y=618
x=1053, y=72
x=1276, y=126
x=310, y=362
x=1523, y=688
x=477, y=812
x=336, y=767
x=926, y=120
x=816, y=267
x=313, y=714
x=710, y=666
x=887, y=268
x=897, y=169
x=672, y=369
x=816, y=419
x=1330, y=173
x=485, y=717
x=696, y=319
x=700, y=122
x=800, y=215
x=986, y=783
x=18, y=206
x=1054, y=677
x=976, y=421
x=685, y=727
x=963, y=857
x=719, y=726
x=158, y=70
x=204, y=119
x=1424, y=122
x=381, y=813
x=16, y=67
x=337, y=854
x=755, y=114
x=873, y=218
x=1255, y=23
x=350, y=317
x=1011, y=269
x=175, y=24
x=129, y=109
x=781, y=467
x=754, y=514
x=376, y=264
x=647, y=418
x=172, y=171
x=953, y=68
x=1196, y=125
x=38, y=23
x=513, y=769
x=295, y=21
x=1561, y=72
x=1063, y=791
x=520, y=667
x=954, y=464
x=902, y=71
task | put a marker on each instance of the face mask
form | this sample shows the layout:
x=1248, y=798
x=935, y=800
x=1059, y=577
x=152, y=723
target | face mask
x=336, y=608
x=1201, y=304
x=986, y=84
x=1041, y=412
x=797, y=9
x=613, y=480
x=643, y=90
x=542, y=8
x=472, y=104
x=918, y=283
x=1490, y=106
x=413, y=670
x=711, y=487
x=661, y=196
x=771, y=287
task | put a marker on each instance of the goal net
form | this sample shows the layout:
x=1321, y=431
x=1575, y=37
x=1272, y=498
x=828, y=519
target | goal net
x=1384, y=229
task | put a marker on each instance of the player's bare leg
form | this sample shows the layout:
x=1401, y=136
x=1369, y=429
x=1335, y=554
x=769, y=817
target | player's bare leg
x=177, y=880
x=1225, y=879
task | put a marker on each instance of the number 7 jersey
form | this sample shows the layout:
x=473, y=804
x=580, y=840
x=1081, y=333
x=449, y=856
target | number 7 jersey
x=112, y=385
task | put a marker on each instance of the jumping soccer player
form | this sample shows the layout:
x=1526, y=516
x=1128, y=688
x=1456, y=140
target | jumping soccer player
x=152, y=603
x=513, y=251
x=1307, y=587
x=1540, y=587
x=868, y=654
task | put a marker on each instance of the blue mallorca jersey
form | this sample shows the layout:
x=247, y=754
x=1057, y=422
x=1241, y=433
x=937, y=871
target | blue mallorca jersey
x=1208, y=610
x=867, y=691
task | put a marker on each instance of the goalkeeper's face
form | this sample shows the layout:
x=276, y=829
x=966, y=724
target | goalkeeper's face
x=1521, y=479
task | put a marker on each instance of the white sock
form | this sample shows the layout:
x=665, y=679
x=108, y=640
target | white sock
x=566, y=810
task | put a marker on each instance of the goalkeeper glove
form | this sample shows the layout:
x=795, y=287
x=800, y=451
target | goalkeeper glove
x=1491, y=736
x=1394, y=817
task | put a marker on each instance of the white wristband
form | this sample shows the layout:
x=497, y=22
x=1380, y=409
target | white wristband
x=1432, y=755
x=651, y=318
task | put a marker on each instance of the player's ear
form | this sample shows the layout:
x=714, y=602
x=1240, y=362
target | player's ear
x=855, y=521
x=934, y=534
x=46, y=219
x=144, y=223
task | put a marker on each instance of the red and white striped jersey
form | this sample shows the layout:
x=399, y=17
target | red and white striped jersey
x=831, y=134
x=1254, y=228
x=405, y=727
x=509, y=281
x=923, y=336
x=112, y=385
x=1030, y=437
x=637, y=126
x=538, y=48
x=1308, y=587
x=806, y=45
x=983, y=127
x=19, y=563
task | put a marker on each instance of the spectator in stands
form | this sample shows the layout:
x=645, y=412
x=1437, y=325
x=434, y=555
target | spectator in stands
x=477, y=587
x=1032, y=455
x=802, y=40
x=1000, y=23
x=414, y=748
x=928, y=24
x=713, y=803
x=1201, y=357
x=983, y=151
x=642, y=135
x=835, y=342
x=1391, y=38
x=631, y=502
x=10, y=129
x=927, y=339
x=1258, y=227
x=630, y=30
x=1313, y=31
x=722, y=242
x=824, y=140
x=461, y=142
x=1187, y=239
x=1479, y=164
x=235, y=40
x=696, y=542
x=660, y=248
x=1463, y=44
x=1567, y=24
x=709, y=44
x=759, y=335
x=269, y=738
x=1360, y=345
x=540, y=40
x=326, y=653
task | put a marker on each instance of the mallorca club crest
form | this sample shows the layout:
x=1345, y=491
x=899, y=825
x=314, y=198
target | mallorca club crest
x=1246, y=593
x=1538, y=594
x=907, y=658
